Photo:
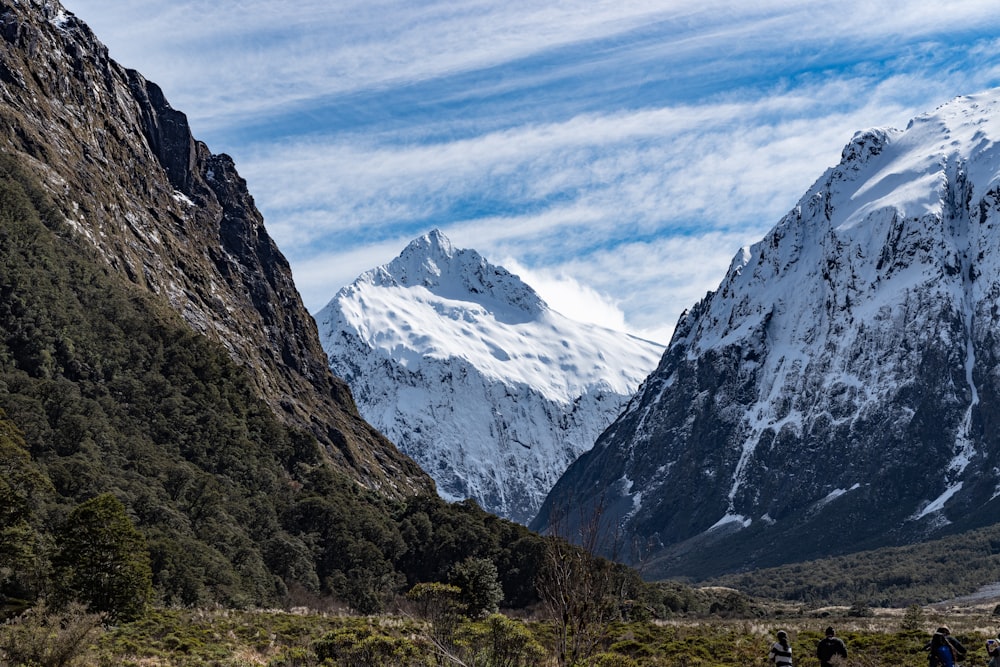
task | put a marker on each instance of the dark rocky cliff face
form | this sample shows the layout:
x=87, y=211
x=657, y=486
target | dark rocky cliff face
x=175, y=220
x=839, y=390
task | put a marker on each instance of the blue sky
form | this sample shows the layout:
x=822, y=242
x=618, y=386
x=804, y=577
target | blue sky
x=615, y=154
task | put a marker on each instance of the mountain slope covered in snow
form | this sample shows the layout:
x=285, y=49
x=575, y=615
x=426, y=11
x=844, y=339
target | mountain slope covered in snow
x=468, y=371
x=841, y=388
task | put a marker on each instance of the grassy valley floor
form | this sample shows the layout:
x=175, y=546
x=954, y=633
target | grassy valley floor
x=225, y=638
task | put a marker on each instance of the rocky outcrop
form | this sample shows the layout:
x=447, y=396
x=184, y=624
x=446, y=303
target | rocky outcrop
x=175, y=220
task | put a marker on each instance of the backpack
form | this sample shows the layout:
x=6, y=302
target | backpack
x=935, y=659
x=957, y=650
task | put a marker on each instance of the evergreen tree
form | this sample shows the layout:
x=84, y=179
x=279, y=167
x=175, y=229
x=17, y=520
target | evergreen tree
x=913, y=619
x=478, y=580
x=21, y=489
x=103, y=561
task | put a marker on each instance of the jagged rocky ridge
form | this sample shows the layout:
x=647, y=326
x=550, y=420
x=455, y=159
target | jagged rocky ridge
x=468, y=371
x=841, y=388
x=177, y=221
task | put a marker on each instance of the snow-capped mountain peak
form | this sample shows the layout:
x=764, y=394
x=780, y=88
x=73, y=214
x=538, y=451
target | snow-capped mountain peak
x=469, y=372
x=431, y=262
x=840, y=386
x=435, y=302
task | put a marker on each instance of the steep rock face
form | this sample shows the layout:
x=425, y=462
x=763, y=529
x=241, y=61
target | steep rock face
x=468, y=371
x=840, y=389
x=176, y=220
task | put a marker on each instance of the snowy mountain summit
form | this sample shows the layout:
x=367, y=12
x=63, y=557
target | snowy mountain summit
x=469, y=372
x=841, y=388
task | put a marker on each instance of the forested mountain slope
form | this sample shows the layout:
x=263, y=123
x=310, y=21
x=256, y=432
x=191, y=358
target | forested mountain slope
x=176, y=221
x=153, y=347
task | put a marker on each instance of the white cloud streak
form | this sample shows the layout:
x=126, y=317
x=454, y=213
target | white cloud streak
x=691, y=169
x=617, y=183
x=231, y=60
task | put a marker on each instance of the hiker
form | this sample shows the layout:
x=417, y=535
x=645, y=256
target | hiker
x=945, y=650
x=993, y=650
x=829, y=648
x=781, y=651
x=943, y=636
x=941, y=654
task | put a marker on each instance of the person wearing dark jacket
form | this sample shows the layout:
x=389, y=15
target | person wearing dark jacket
x=956, y=646
x=829, y=648
x=941, y=654
x=945, y=650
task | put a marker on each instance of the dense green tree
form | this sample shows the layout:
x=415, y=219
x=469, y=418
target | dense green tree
x=477, y=579
x=22, y=488
x=438, y=535
x=103, y=561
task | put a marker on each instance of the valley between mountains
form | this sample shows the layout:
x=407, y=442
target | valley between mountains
x=168, y=404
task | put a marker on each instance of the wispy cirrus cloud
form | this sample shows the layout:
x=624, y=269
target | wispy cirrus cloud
x=236, y=60
x=566, y=190
x=618, y=152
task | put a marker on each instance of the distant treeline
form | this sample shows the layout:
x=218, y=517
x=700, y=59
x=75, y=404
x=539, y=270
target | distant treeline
x=923, y=573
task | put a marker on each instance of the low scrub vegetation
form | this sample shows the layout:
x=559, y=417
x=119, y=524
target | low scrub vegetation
x=284, y=639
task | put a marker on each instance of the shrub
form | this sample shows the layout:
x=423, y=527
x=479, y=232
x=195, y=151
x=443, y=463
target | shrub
x=295, y=656
x=363, y=647
x=436, y=603
x=499, y=642
x=860, y=609
x=43, y=639
x=612, y=660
